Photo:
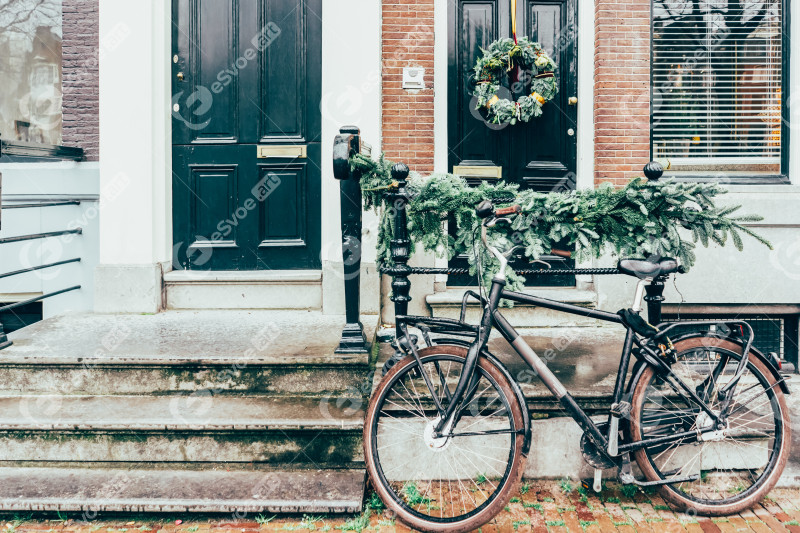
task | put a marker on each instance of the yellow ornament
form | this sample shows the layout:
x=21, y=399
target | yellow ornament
x=538, y=97
x=493, y=100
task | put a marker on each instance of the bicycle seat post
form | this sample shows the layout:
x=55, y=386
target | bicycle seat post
x=655, y=295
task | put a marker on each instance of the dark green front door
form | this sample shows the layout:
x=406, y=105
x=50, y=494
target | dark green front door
x=246, y=134
x=542, y=153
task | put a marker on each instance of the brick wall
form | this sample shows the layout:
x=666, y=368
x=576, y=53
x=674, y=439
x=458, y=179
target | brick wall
x=80, y=76
x=407, y=115
x=622, y=89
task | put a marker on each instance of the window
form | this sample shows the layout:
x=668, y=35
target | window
x=30, y=70
x=717, y=78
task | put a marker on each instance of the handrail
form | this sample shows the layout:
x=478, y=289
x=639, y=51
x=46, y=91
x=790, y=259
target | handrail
x=42, y=204
x=39, y=150
x=37, y=298
x=45, y=235
x=40, y=267
x=345, y=146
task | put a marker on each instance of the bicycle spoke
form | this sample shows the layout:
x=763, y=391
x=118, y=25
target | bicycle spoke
x=730, y=460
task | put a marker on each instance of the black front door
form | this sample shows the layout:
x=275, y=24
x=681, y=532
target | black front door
x=539, y=154
x=246, y=134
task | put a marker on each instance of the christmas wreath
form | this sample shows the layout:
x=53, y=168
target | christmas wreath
x=523, y=61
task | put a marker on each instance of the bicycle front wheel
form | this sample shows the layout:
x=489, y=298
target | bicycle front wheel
x=449, y=483
x=734, y=467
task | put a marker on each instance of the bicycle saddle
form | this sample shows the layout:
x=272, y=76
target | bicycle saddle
x=648, y=269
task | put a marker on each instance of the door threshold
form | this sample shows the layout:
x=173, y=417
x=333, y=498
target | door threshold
x=244, y=276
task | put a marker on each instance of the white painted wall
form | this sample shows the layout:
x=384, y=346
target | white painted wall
x=351, y=95
x=135, y=155
x=35, y=182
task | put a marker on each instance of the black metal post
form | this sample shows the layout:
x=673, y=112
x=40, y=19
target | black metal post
x=4, y=342
x=655, y=291
x=400, y=245
x=655, y=295
x=346, y=144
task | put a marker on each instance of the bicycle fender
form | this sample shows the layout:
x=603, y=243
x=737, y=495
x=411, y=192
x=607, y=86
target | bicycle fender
x=768, y=362
x=526, y=416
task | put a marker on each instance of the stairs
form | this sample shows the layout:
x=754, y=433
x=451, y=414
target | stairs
x=206, y=411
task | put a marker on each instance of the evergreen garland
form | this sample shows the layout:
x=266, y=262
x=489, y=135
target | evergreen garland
x=641, y=219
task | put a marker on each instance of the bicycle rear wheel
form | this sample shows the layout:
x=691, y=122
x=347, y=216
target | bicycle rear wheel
x=737, y=465
x=455, y=483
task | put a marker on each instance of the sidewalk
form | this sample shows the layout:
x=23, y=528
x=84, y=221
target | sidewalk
x=538, y=506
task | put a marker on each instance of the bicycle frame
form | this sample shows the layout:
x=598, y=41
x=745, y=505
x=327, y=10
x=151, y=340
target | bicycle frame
x=493, y=318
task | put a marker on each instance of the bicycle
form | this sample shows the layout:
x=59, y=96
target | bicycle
x=447, y=430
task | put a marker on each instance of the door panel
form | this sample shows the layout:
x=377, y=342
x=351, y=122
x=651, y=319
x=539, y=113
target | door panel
x=245, y=73
x=541, y=153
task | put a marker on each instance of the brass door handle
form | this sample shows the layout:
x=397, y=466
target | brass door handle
x=180, y=76
x=573, y=100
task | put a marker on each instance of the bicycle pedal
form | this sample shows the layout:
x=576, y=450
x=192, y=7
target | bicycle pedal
x=621, y=409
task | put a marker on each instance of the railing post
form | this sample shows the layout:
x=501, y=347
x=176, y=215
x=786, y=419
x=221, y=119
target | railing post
x=4, y=342
x=346, y=144
x=655, y=291
x=400, y=245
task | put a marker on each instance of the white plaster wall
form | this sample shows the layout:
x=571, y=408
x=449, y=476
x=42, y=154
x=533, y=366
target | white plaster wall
x=351, y=95
x=135, y=156
x=36, y=182
x=135, y=134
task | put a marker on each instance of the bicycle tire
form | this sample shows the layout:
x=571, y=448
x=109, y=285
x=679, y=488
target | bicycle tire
x=731, y=501
x=391, y=495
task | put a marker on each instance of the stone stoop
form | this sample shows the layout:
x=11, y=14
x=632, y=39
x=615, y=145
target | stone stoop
x=207, y=411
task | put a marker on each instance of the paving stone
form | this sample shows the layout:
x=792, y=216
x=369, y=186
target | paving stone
x=768, y=519
x=707, y=525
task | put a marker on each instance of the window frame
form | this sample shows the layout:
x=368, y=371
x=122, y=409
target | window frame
x=756, y=179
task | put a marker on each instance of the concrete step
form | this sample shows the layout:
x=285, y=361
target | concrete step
x=208, y=491
x=263, y=289
x=253, y=431
x=228, y=352
x=448, y=304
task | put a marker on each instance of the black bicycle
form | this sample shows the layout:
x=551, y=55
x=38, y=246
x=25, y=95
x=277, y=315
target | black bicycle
x=447, y=430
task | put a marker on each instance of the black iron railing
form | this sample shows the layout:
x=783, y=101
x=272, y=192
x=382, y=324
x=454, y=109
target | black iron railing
x=347, y=144
x=47, y=153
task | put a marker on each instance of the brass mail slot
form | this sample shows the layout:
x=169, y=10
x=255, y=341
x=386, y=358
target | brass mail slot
x=485, y=172
x=293, y=151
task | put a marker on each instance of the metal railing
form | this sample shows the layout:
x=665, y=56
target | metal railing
x=44, y=152
x=346, y=145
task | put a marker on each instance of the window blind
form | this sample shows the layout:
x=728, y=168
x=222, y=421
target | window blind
x=717, y=80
